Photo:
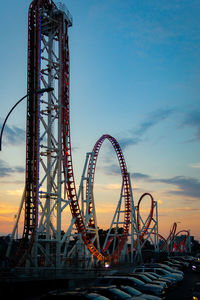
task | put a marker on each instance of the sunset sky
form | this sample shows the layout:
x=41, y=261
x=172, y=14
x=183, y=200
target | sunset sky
x=135, y=74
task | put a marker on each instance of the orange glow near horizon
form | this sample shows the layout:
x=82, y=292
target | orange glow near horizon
x=169, y=211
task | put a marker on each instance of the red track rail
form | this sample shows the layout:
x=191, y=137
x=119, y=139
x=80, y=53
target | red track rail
x=125, y=181
x=181, y=245
x=149, y=218
x=33, y=138
x=170, y=236
x=32, y=129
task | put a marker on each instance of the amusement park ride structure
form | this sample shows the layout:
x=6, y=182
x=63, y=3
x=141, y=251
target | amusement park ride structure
x=49, y=179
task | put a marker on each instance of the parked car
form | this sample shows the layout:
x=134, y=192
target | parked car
x=133, y=282
x=113, y=293
x=133, y=292
x=160, y=271
x=142, y=277
x=172, y=281
x=180, y=259
x=166, y=267
x=146, y=279
x=175, y=266
x=185, y=264
x=158, y=278
x=189, y=258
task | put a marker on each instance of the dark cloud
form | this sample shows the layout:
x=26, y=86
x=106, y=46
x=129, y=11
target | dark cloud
x=139, y=176
x=192, y=119
x=125, y=142
x=112, y=169
x=187, y=186
x=152, y=119
x=5, y=170
x=13, y=135
x=19, y=169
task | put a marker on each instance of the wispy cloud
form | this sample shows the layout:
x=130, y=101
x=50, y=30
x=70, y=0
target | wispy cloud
x=153, y=119
x=186, y=186
x=112, y=169
x=113, y=186
x=192, y=119
x=137, y=135
x=13, y=135
x=129, y=141
x=139, y=176
x=195, y=165
x=6, y=170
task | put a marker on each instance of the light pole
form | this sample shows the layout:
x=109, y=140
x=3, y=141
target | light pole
x=40, y=91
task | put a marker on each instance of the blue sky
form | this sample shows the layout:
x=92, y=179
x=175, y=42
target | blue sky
x=135, y=75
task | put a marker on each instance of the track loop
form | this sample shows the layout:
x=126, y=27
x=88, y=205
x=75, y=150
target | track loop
x=146, y=224
x=169, y=238
x=126, y=187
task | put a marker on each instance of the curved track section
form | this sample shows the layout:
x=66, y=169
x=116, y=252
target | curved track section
x=164, y=241
x=125, y=182
x=37, y=10
x=180, y=246
x=145, y=227
x=74, y=205
x=32, y=129
x=170, y=236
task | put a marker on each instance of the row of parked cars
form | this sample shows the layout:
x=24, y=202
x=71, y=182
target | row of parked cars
x=147, y=281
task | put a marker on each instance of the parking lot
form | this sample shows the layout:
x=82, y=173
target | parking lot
x=120, y=279
x=183, y=291
x=178, y=289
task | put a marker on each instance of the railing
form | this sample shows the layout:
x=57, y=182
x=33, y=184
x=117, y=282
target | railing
x=62, y=7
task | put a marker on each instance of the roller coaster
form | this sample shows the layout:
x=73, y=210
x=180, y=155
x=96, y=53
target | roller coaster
x=49, y=177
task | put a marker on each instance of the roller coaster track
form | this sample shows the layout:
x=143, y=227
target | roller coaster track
x=142, y=231
x=126, y=188
x=167, y=242
x=40, y=13
x=32, y=129
x=180, y=246
x=48, y=23
x=170, y=237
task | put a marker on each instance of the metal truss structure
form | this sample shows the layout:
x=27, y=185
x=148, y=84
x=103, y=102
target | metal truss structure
x=49, y=181
x=167, y=244
x=50, y=199
x=115, y=246
x=181, y=242
x=148, y=229
x=125, y=193
x=48, y=151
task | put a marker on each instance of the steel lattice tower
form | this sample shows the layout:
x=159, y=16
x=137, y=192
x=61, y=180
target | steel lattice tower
x=49, y=179
x=48, y=151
